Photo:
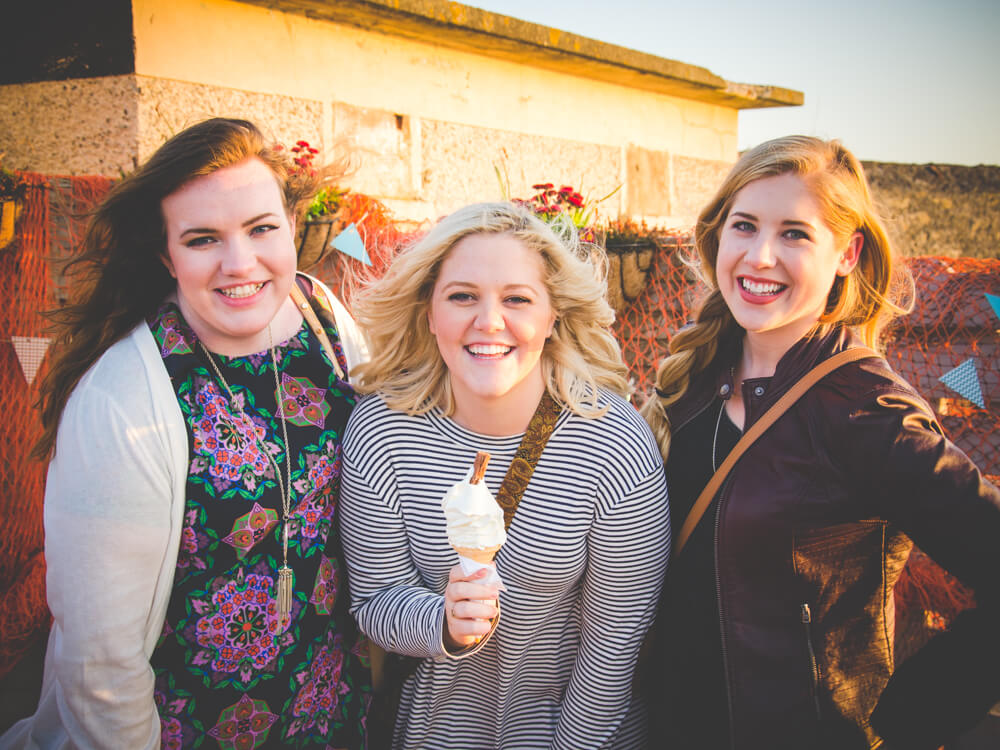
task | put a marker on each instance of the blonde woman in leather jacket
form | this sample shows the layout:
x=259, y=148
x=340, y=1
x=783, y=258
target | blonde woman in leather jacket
x=776, y=624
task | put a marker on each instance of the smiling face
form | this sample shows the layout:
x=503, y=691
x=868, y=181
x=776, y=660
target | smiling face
x=778, y=259
x=491, y=314
x=230, y=247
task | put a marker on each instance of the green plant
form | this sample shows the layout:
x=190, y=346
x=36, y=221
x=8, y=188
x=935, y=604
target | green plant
x=551, y=204
x=327, y=200
x=12, y=187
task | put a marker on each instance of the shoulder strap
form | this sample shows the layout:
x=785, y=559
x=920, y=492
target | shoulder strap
x=515, y=481
x=756, y=430
x=309, y=314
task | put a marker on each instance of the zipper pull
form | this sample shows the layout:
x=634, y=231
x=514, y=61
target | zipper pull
x=806, y=614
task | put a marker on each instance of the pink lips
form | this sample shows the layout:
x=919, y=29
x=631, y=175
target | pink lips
x=759, y=298
x=505, y=349
x=242, y=301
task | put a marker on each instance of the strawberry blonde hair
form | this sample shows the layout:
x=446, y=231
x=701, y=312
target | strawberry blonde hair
x=864, y=300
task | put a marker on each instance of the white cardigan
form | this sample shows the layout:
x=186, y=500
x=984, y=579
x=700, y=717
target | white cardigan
x=114, y=510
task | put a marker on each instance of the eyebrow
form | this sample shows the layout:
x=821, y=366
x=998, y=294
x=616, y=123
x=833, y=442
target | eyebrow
x=474, y=285
x=209, y=230
x=786, y=222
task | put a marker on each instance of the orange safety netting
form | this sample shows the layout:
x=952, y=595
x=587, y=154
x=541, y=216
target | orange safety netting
x=382, y=238
x=951, y=323
x=23, y=287
x=29, y=283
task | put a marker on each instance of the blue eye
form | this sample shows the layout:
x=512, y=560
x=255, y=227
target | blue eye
x=743, y=226
x=199, y=241
x=460, y=297
x=262, y=228
x=796, y=234
x=517, y=299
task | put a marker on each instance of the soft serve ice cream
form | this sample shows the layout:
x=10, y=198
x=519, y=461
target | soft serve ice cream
x=474, y=520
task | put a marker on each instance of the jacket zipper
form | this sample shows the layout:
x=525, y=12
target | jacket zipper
x=722, y=620
x=807, y=624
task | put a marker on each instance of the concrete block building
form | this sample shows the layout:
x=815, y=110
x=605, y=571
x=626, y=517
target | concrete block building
x=428, y=96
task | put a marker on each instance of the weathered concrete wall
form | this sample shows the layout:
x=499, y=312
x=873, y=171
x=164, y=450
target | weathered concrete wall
x=79, y=126
x=459, y=165
x=168, y=106
x=223, y=43
x=939, y=209
x=425, y=122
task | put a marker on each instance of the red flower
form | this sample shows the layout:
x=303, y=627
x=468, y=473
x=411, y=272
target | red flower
x=542, y=186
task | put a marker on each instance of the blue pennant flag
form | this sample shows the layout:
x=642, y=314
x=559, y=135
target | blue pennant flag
x=964, y=381
x=350, y=243
x=994, y=303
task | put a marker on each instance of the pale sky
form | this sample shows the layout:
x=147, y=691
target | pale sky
x=901, y=81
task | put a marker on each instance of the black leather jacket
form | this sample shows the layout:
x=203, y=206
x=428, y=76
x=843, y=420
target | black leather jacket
x=813, y=529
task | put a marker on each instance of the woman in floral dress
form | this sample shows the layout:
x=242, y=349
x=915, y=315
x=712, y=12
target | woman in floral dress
x=194, y=420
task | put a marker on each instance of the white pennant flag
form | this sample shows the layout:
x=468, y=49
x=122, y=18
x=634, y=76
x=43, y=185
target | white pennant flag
x=30, y=353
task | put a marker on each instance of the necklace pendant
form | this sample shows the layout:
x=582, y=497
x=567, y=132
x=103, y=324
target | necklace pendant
x=284, y=594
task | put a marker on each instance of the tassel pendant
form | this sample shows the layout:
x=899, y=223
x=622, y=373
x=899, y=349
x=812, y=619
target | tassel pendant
x=284, y=594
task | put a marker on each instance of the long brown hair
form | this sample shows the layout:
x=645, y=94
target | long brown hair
x=866, y=299
x=118, y=277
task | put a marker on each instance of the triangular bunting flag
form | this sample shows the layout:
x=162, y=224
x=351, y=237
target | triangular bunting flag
x=994, y=303
x=964, y=381
x=350, y=243
x=30, y=353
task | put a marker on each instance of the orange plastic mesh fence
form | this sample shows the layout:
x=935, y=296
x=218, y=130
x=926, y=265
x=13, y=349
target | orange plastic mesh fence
x=953, y=322
x=23, y=288
x=50, y=225
x=382, y=238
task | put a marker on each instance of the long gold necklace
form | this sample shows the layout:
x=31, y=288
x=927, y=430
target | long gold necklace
x=284, y=586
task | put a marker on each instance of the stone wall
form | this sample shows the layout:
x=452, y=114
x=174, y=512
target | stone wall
x=428, y=100
x=939, y=209
x=77, y=126
x=421, y=167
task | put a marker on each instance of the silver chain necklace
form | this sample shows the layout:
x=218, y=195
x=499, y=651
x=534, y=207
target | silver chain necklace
x=284, y=587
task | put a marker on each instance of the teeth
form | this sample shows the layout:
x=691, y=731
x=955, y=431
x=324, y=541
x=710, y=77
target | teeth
x=488, y=349
x=244, y=290
x=755, y=287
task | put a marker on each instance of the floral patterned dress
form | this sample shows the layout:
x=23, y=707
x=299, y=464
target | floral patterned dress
x=228, y=675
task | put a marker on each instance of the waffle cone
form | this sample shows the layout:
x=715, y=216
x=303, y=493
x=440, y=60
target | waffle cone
x=481, y=556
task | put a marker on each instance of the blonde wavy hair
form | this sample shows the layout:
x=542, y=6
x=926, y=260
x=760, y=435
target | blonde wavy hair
x=406, y=367
x=865, y=300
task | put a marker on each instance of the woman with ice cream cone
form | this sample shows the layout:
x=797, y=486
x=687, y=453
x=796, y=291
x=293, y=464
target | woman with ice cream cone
x=491, y=335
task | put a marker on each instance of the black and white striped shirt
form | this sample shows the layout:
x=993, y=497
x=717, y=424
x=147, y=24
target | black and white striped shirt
x=583, y=564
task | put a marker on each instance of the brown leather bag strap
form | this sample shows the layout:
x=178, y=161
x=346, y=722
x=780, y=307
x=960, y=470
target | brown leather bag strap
x=299, y=298
x=515, y=481
x=756, y=430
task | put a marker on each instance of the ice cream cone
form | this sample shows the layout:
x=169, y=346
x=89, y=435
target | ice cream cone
x=481, y=556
